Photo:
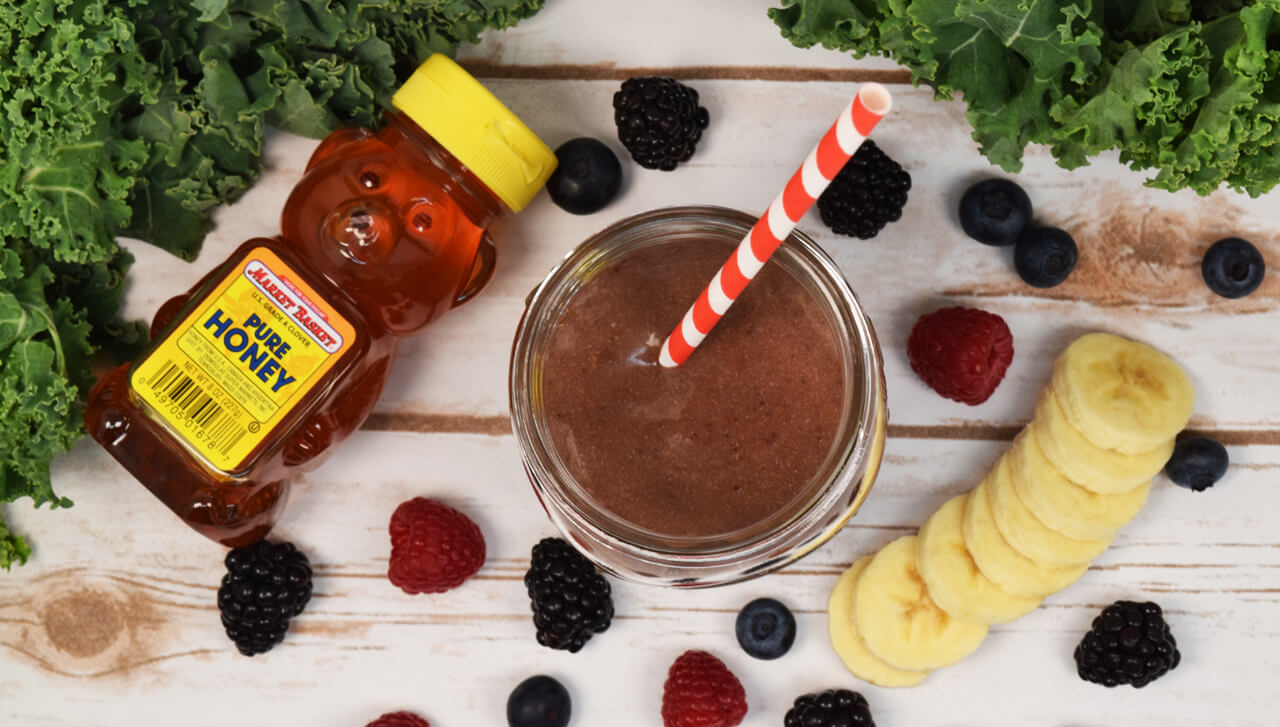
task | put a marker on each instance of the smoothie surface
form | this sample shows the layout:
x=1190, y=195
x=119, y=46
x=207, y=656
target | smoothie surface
x=719, y=444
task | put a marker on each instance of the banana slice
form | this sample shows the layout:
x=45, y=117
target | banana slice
x=849, y=645
x=1121, y=394
x=897, y=619
x=1062, y=504
x=1086, y=464
x=1026, y=533
x=955, y=583
x=1007, y=568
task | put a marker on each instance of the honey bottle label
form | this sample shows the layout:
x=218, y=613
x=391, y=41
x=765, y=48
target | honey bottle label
x=249, y=353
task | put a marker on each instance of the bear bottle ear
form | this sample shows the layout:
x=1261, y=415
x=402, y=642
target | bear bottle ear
x=338, y=141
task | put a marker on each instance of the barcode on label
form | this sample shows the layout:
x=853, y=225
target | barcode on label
x=221, y=432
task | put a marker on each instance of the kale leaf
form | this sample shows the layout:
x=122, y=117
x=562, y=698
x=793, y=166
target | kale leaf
x=1187, y=88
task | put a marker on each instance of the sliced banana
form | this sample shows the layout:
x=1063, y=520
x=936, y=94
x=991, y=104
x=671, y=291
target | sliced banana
x=1086, y=464
x=1062, y=504
x=955, y=582
x=899, y=622
x=1026, y=533
x=1121, y=394
x=1007, y=568
x=849, y=645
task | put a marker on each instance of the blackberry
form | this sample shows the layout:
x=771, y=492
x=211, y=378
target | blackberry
x=659, y=121
x=867, y=194
x=1129, y=644
x=266, y=585
x=570, y=600
x=832, y=708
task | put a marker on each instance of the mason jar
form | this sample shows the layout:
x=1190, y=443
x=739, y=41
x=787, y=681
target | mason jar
x=646, y=554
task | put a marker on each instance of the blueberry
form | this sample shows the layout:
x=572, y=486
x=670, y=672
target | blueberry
x=538, y=702
x=1233, y=268
x=765, y=628
x=1044, y=256
x=995, y=212
x=587, y=176
x=1197, y=463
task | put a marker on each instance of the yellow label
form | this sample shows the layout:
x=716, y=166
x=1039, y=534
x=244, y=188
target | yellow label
x=237, y=365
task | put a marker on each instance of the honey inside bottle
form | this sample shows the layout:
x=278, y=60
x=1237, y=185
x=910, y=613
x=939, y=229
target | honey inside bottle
x=281, y=351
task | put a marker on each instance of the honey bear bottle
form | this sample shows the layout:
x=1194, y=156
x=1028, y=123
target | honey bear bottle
x=281, y=351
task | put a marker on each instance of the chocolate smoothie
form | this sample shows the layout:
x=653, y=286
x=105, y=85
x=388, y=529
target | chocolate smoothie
x=725, y=441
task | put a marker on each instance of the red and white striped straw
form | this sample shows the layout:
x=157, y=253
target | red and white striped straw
x=820, y=167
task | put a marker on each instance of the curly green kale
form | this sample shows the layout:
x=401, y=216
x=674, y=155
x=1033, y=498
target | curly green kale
x=46, y=361
x=1188, y=88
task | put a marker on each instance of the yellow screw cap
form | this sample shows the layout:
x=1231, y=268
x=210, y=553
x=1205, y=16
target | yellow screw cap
x=457, y=111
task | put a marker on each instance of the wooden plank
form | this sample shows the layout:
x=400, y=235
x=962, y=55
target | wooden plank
x=655, y=34
x=1140, y=252
x=116, y=612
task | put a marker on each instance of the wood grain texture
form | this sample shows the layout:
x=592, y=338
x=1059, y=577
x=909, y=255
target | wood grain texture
x=114, y=620
x=117, y=611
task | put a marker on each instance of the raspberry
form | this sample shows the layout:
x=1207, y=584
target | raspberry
x=961, y=353
x=434, y=548
x=399, y=719
x=701, y=692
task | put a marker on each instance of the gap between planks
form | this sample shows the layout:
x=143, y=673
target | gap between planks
x=612, y=72
x=500, y=426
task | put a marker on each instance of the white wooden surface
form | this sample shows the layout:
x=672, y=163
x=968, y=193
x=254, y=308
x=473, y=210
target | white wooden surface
x=113, y=622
